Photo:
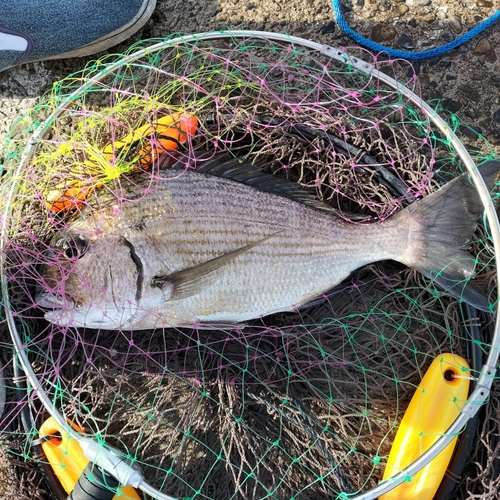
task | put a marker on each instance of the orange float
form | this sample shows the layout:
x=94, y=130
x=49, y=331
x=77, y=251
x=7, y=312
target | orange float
x=136, y=151
x=166, y=134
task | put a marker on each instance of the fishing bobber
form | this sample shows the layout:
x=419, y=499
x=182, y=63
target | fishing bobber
x=136, y=151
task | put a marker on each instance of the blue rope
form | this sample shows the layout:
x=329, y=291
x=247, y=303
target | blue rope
x=414, y=56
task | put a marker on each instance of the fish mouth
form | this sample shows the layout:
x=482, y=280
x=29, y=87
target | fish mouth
x=60, y=311
x=47, y=300
x=65, y=313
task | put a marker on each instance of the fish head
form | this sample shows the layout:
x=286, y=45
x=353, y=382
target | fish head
x=88, y=280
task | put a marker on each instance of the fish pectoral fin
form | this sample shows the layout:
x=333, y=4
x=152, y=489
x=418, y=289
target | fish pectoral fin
x=193, y=280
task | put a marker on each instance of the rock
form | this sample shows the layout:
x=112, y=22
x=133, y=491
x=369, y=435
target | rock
x=434, y=93
x=444, y=63
x=405, y=42
x=496, y=115
x=449, y=78
x=484, y=48
x=470, y=91
x=417, y=65
x=417, y=3
x=429, y=18
x=451, y=105
x=447, y=36
x=484, y=3
x=455, y=24
x=470, y=132
x=328, y=28
x=471, y=113
x=383, y=33
x=402, y=9
x=493, y=138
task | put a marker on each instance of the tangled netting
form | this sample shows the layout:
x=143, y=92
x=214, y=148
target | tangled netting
x=302, y=404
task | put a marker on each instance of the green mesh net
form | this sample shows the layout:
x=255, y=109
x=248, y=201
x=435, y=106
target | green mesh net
x=295, y=405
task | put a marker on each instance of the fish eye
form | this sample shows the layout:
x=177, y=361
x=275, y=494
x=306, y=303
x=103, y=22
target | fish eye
x=73, y=246
x=72, y=251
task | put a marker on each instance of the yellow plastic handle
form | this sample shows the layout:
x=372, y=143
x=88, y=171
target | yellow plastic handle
x=436, y=404
x=67, y=459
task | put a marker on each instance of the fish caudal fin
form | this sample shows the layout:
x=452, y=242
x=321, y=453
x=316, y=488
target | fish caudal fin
x=448, y=219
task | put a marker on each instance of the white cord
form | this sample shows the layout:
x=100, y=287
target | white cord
x=3, y=390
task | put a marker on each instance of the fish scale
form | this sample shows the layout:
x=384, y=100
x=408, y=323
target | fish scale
x=204, y=249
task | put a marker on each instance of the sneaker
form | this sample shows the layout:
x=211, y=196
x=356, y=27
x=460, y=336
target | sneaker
x=38, y=30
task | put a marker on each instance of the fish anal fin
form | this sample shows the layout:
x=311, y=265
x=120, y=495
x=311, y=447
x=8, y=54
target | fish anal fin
x=191, y=281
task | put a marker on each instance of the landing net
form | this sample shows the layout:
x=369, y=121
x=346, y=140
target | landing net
x=299, y=405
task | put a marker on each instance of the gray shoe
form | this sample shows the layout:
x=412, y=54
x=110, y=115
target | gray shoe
x=37, y=30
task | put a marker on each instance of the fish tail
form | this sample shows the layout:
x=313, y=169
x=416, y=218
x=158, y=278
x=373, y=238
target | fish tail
x=447, y=219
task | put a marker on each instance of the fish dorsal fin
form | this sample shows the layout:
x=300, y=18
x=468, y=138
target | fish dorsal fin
x=191, y=281
x=225, y=166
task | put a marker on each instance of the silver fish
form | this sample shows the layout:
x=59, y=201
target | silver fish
x=226, y=243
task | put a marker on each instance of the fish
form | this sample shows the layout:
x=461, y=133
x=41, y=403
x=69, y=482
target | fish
x=216, y=241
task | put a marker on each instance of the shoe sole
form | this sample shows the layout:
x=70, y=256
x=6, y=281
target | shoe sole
x=111, y=39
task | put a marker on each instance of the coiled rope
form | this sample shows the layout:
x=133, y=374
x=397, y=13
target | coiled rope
x=412, y=56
